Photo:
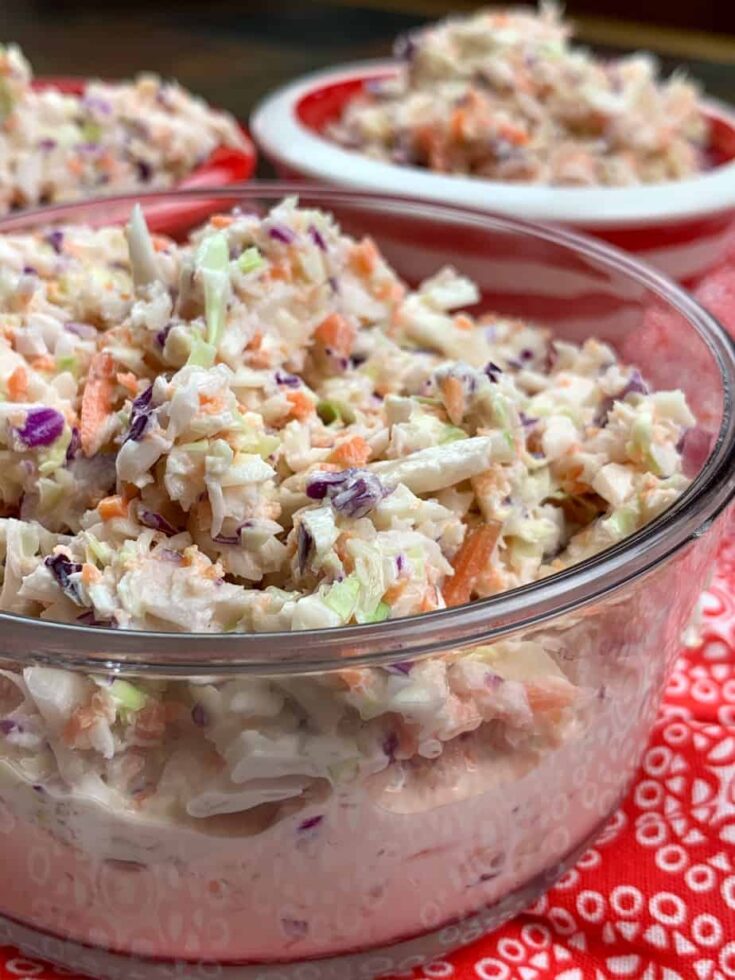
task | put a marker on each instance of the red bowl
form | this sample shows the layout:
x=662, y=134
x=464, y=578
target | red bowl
x=682, y=227
x=225, y=165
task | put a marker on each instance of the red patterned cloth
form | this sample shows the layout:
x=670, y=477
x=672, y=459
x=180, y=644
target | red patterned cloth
x=654, y=898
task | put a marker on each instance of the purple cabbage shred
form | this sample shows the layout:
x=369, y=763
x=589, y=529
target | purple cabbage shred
x=199, y=715
x=287, y=380
x=305, y=543
x=74, y=446
x=157, y=522
x=56, y=240
x=227, y=538
x=140, y=415
x=635, y=386
x=317, y=237
x=83, y=330
x=96, y=103
x=295, y=928
x=390, y=744
x=144, y=171
x=62, y=568
x=280, y=233
x=493, y=371
x=166, y=554
x=163, y=334
x=311, y=822
x=89, y=619
x=42, y=427
x=402, y=667
x=405, y=47
x=352, y=492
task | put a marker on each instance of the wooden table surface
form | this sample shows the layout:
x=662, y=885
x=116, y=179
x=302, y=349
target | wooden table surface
x=235, y=51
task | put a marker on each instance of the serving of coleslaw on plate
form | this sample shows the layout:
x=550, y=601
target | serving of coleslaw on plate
x=67, y=140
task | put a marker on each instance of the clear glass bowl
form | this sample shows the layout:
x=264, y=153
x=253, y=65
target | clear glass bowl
x=358, y=879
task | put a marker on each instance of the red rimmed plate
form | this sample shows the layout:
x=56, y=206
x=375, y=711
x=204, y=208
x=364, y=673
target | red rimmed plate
x=681, y=227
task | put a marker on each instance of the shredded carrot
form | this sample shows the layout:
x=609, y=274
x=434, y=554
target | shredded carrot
x=90, y=574
x=341, y=550
x=80, y=721
x=352, y=452
x=301, y=405
x=408, y=743
x=514, y=134
x=96, y=401
x=211, y=404
x=395, y=591
x=280, y=271
x=389, y=292
x=470, y=562
x=352, y=678
x=221, y=220
x=18, y=384
x=160, y=242
x=258, y=357
x=554, y=696
x=457, y=123
x=110, y=507
x=336, y=333
x=364, y=257
x=129, y=492
x=463, y=322
x=44, y=362
x=128, y=381
x=454, y=400
x=150, y=721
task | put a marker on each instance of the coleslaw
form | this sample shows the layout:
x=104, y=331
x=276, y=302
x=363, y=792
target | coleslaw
x=503, y=95
x=113, y=137
x=264, y=428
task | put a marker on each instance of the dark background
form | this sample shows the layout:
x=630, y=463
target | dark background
x=234, y=52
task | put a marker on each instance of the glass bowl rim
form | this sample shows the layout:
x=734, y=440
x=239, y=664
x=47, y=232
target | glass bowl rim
x=485, y=620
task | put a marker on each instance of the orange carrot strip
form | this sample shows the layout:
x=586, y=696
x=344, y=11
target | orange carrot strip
x=128, y=381
x=454, y=400
x=364, y=257
x=160, y=242
x=554, y=696
x=96, y=401
x=352, y=452
x=18, y=384
x=336, y=333
x=301, y=405
x=110, y=507
x=352, y=677
x=281, y=271
x=221, y=220
x=395, y=591
x=211, y=404
x=43, y=362
x=470, y=562
x=90, y=574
